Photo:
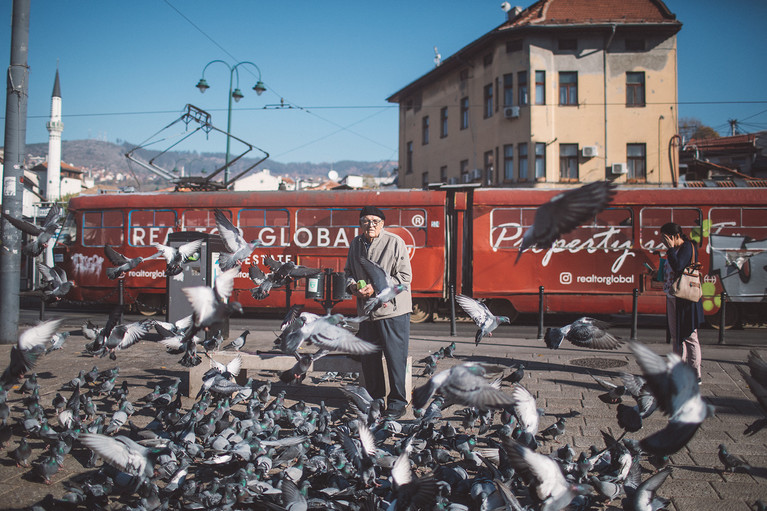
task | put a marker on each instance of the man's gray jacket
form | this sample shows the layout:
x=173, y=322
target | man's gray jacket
x=390, y=252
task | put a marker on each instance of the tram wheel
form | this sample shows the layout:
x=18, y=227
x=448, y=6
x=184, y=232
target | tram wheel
x=422, y=310
x=731, y=317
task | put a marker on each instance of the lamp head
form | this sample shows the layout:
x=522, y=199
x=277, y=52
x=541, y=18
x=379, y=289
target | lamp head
x=202, y=85
x=259, y=87
x=237, y=95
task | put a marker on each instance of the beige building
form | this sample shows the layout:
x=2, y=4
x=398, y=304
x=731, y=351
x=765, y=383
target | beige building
x=565, y=91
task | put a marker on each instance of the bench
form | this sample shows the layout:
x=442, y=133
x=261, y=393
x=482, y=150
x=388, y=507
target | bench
x=255, y=362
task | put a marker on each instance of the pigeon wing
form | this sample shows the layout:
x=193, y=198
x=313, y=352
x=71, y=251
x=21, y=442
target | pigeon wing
x=119, y=451
x=476, y=310
x=187, y=250
x=202, y=299
x=23, y=225
x=230, y=235
x=225, y=283
x=255, y=274
x=377, y=275
x=590, y=336
x=114, y=256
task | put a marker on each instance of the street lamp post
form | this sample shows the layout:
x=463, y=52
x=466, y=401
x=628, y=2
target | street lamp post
x=235, y=94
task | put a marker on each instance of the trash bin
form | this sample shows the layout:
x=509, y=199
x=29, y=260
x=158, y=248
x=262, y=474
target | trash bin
x=339, y=287
x=315, y=287
x=200, y=272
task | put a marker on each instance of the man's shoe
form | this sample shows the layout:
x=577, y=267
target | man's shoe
x=395, y=412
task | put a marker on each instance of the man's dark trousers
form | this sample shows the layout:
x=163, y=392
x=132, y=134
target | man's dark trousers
x=393, y=335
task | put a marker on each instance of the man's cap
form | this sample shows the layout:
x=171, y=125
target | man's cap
x=372, y=210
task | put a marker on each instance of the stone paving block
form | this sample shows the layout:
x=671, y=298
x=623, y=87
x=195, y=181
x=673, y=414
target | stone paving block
x=686, y=488
x=740, y=490
x=707, y=504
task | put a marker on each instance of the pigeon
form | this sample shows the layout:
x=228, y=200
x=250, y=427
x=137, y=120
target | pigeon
x=675, y=387
x=42, y=234
x=732, y=462
x=525, y=410
x=641, y=497
x=28, y=348
x=385, y=286
x=566, y=211
x=325, y=333
x=463, y=384
x=585, y=333
x=21, y=453
x=239, y=342
x=516, y=375
x=55, y=282
x=210, y=306
x=481, y=315
x=57, y=341
x=555, y=430
x=411, y=492
x=176, y=256
x=124, y=454
x=121, y=264
x=614, y=392
x=237, y=248
x=550, y=485
x=123, y=336
x=756, y=378
x=281, y=275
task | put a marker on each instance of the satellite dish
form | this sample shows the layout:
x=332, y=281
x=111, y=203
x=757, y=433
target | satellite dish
x=506, y=6
x=333, y=175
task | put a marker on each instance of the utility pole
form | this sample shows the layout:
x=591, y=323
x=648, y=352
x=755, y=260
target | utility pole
x=733, y=126
x=13, y=171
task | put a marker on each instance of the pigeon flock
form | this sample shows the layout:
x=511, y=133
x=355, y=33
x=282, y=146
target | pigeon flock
x=475, y=440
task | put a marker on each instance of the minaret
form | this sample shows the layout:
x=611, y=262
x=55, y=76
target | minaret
x=55, y=127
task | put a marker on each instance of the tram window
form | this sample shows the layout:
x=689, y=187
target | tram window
x=346, y=217
x=610, y=229
x=68, y=232
x=102, y=227
x=652, y=219
x=311, y=217
x=739, y=222
x=277, y=218
x=149, y=226
x=200, y=219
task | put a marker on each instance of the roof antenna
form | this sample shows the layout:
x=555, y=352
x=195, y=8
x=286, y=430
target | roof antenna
x=437, y=57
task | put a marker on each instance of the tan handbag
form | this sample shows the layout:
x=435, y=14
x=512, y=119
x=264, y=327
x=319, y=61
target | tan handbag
x=687, y=285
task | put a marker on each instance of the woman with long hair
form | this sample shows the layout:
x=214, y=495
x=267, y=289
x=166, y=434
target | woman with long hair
x=683, y=316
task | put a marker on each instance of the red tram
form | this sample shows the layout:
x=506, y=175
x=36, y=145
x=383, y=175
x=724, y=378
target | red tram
x=462, y=237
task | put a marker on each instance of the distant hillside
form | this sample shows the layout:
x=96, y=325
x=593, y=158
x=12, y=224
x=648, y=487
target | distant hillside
x=108, y=160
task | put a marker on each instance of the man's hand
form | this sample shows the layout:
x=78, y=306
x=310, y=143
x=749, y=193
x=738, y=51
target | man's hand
x=365, y=292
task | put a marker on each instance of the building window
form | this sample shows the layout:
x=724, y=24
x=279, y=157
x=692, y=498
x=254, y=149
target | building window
x=443, y=174
x=463, y=75
x=568, y=44
x=540, y=161
x=487, y=60
x=508, y=89
x=540, y=87
x=635, y=89
x=568, y=88
x=464, y=113
x=464, y=171
x=634, y=44
x=568, y=162
x=522, y=152
x=508, y=162
x=488, y=95
x=522, y=88
x=425, y=130
x=636, y=162
x=513, y=45
x=425, y=180
x=443, y=122
x=489, y=166
x=409, y=160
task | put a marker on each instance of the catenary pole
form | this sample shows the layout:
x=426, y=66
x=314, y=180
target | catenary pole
x=13, y=171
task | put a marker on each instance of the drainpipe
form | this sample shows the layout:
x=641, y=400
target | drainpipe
x=604, y=75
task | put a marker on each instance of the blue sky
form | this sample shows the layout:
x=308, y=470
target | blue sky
x=129, y=68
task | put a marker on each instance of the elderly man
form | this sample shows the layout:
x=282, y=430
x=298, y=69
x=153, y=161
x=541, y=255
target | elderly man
x=389, y=325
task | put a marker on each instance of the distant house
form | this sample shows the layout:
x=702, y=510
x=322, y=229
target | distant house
x=71, y=178
x=259, y=181
x=725, y=158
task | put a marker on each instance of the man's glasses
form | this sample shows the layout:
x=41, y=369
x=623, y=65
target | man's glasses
x=374, y=223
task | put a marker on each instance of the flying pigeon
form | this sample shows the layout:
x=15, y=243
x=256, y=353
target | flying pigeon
x=42, y=234
x=281, y=275
x=756, y=378
x=585, y=333
x=29, y=347
x=385, y=286
x=675, y=387
x=641, y=497
x=463, y=384
x=326, y=333
x=124, y=454
x=566, y=211
x=481, y=315
x=210, y=306
x=238, y=249
x=56, y=286
x=121, y=263
x=176, y=256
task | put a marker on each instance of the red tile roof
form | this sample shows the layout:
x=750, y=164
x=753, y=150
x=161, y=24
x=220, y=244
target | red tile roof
x=734, y=142
x=569, y=12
